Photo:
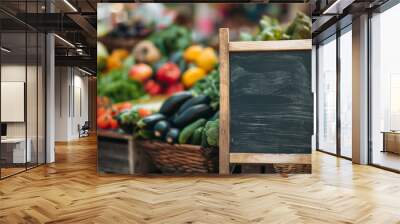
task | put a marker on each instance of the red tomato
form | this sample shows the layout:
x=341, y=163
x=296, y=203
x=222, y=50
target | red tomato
x=119, y=107
x=101, y=111
x=152, y=87
x=169, y=73
x=140, y=72
x=113, y=124
x=103, y=122
x=143, y=112
x=178, y=87
x=125, y=106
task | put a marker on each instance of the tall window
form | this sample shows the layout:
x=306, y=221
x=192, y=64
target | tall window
x=327, y=96
x=385, y=89
x=346, y=92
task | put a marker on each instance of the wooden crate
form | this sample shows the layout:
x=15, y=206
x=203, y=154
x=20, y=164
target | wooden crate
x=117, y=154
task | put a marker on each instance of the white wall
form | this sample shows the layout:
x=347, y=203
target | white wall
x=71, y=94
x=61, y=103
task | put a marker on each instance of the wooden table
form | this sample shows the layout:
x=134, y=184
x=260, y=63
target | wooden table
x=117, y=154
x=391, y=141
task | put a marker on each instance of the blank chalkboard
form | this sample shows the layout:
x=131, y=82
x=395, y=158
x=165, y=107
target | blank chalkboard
x=271, y=103
x=266, y=102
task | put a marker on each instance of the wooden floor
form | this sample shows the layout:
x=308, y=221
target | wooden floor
x=70, y=191
x=5, y=172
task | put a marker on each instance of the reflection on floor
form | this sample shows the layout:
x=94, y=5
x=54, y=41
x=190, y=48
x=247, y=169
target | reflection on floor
x=8, y=171
x=387, y=159
x=71, y=191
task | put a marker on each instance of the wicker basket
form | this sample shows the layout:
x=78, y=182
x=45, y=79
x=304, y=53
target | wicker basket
x=181, y=158
x=113, y=43
x=292, y=168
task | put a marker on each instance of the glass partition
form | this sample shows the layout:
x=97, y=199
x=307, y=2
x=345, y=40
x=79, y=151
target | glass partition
x=15, y=151
x=41, y=97
x=31, y=99
x=22, y=90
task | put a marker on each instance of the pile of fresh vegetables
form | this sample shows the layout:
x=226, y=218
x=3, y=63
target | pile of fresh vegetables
x=270, y=29
x=184, y=118
x=165, y=63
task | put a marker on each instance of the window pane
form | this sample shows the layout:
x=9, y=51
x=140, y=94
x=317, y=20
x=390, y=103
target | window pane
x=327, y=96
x=346, y=94
x=385, y=89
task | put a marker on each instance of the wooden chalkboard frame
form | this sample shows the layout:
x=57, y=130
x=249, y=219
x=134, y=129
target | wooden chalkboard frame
x=225, y=157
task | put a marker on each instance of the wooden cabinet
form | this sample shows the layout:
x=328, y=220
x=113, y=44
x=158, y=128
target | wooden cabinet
x=391, y=142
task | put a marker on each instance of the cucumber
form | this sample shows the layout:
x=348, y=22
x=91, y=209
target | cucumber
x=145, y=134
x=149, y=121
x=204, y=142
x=196, y=137
x=192, y=114
x=161, y=128
x=172, y=104
x=188, y=131
x=202, y=99
x=172, y=135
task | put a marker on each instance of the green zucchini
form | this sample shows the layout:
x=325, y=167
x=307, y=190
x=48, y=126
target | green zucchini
x=188, y=131
x=172, y=104
x=149, y=121
x=172, y=135
x=192, y=114
x=196, y=137
x=161, y=128
x=202, y=99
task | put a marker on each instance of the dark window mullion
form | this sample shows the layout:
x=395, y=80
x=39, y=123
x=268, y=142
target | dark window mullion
x=26, y=87
x=317, y=96
x=37, y=90
x=338, y=81
x=0, y=94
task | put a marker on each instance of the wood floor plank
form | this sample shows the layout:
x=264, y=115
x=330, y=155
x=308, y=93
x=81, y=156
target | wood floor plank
x=70, y=191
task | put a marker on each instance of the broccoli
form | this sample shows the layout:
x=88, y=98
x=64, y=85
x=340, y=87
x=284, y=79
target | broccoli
x=212, y=132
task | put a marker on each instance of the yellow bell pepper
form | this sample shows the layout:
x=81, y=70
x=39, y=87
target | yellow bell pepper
x=114, y=61
x=192, y=53
x=120, y=53
x=207, y=59
x=192, y=75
